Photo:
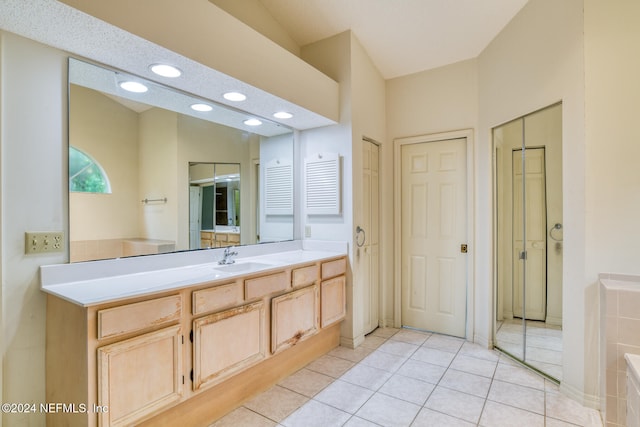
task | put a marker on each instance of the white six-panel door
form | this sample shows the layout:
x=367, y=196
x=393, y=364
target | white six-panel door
x=433, y=228
x=535, y=206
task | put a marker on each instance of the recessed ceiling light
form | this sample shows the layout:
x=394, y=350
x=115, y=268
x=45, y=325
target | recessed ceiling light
x=252, y=122
x=165, y=70
x=136, y=87
x=201, y=107
x=234, y=96
x=282, y=115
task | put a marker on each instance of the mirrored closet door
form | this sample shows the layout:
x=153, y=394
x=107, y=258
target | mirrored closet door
x=528, y=239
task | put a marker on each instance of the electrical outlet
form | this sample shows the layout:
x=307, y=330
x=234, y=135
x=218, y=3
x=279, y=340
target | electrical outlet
x=307, y=231
x=44, y=242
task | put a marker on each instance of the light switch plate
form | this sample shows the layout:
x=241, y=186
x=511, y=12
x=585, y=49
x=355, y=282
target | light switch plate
x=43, y=242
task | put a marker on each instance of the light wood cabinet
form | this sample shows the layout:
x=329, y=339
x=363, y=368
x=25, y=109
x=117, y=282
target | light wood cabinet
x=334, y=301
x=294, y=317
x=207, y=239
x=227, y=342
x=139, y=376
x=188, y=354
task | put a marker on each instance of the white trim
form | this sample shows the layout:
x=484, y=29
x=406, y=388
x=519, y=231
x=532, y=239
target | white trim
x=467, y=134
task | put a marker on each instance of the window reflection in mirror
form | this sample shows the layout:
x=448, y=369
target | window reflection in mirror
x=146, y=144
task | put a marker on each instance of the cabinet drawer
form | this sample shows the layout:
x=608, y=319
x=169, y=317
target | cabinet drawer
x=261, y=286
x=334, y=268
x=304, y=276
x=216, y=298
x=138, y=316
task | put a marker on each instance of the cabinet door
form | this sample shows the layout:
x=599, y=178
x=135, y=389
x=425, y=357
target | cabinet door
x=139, y=376
x=227, y=342
x=294, y=317
x=333, y=301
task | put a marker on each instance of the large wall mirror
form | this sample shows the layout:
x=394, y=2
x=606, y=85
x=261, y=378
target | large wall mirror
x=528, y=239
x=147, y=171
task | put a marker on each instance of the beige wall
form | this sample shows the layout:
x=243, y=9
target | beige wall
x=537, y=60
x=158, y=176
x=362, y=113
x=612, y=67
x=34, y=197
x=113, y=143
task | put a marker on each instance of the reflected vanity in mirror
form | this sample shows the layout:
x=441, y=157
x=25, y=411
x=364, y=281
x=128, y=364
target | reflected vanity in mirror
x=149, y=174
x=528, y=239
x=214, y=205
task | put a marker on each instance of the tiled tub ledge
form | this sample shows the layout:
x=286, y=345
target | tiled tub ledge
x=633, y=390
x=619, y=340
x=94, y=282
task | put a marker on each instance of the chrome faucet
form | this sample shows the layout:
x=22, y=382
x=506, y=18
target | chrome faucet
x=226, y=259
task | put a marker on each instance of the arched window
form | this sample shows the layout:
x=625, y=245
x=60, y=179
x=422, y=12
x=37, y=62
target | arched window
x=85, y=174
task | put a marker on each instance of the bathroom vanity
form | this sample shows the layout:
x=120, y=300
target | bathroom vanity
x=189, y=343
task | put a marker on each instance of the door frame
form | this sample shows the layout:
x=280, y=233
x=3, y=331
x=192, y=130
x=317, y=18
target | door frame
x=471, y=214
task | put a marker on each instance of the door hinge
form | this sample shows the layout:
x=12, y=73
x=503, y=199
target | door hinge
x=464, y=248
x=523, y=255
x=191, y=375
x=191, y=336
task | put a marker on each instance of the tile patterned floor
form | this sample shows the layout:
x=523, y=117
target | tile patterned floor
x=408, y=378
x=544, y=344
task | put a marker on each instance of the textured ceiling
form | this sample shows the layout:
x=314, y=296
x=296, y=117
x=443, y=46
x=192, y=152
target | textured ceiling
x=58, y=25
x=401, y=36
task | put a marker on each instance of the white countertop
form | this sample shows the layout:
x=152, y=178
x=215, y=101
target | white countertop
x=98, y=282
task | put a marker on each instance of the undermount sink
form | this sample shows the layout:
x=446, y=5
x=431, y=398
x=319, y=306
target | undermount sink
x=243, y=266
